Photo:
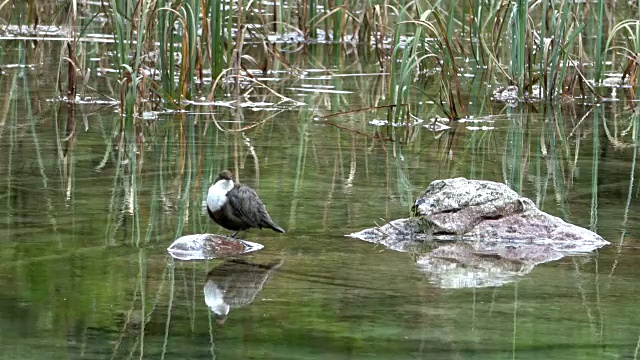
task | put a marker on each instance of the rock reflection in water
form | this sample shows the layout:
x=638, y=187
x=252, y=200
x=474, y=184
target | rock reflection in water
x=476, y=264
x=460, y=263
x=234, y=284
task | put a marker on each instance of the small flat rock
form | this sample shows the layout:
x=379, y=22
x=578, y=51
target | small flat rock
x=210, y=246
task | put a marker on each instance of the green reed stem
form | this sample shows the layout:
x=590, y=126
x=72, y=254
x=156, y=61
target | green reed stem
x=133, y=166
x=597, y=113
x=542, y=48
x=313, y=5
x=599, y=60
x=172, y=286
x=559, y=34
x=216, y=9
x=519, y=45
x=515, y=145
x=635, y=132
x=142, y=282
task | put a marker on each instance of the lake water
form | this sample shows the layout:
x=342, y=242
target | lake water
x=85, y=273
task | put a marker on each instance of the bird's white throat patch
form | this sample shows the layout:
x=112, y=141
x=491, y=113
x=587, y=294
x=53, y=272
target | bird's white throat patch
x=217, y=195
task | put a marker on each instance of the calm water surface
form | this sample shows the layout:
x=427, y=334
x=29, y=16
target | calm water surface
x=85, y=273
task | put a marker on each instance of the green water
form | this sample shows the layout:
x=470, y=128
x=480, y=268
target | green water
x=85, y=273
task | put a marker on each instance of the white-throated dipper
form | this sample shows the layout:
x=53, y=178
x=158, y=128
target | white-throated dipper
x=236, y=206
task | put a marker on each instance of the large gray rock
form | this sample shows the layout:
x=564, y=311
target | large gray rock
x=498, y=235
x=482, y=210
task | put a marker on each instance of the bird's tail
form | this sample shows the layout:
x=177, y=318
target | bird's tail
x=270, y=224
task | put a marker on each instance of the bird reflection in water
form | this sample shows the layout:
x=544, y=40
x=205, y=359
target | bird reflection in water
x=234, y=284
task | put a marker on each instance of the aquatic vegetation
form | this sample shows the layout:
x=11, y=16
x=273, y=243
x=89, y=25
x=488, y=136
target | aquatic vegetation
x=630, y=31
x=544, y=50
x=168, y=55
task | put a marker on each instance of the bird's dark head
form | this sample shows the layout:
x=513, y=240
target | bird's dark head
x=224, y=175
